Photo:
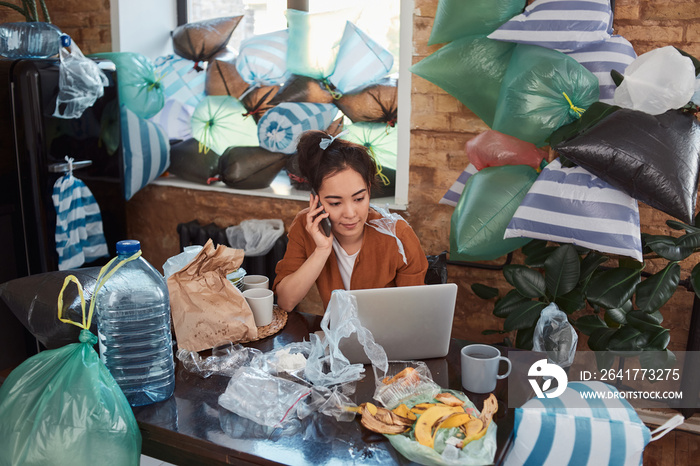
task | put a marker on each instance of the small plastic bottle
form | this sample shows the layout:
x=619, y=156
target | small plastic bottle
x=29, y=40
x=133, y=326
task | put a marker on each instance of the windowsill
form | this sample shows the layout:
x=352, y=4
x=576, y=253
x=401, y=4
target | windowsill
x=280, y=188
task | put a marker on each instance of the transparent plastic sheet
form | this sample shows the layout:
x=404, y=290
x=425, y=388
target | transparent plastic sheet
x=419, y=382
x=387, y=225
x=255, y=237
x=178, y=262
x=555, y=336
x=80, y=82
x=225, y=359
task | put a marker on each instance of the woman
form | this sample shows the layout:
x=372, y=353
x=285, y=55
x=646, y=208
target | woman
x=365, y=248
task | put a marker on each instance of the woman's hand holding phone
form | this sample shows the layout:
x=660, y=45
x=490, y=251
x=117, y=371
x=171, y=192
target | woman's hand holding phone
x=317, y=222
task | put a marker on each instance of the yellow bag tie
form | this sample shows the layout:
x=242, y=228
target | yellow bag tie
x=102, y=277
x=384, y=179
x=578, y=110
x=333, y=92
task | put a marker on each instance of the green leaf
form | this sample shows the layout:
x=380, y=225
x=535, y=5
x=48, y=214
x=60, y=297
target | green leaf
x=656, y=315
x=612, y=288
x=523, y=339
x=590, y=264
x=604, y=359
x=528, y=282
x=598, y=340
x=676, y=225
x=666, y=247
x=536, y=260
x=484, y=291
x=689, y=240
x=534, y=246
x=617, y=315
x=656, y=290
x=657, y=359
x=589, y=324
x=627, y=338
x=505, y=305
x=523, y=316
x=562, y=270
x=659, y=340
x=642, y=321
x=572, y=301
x=617, y=77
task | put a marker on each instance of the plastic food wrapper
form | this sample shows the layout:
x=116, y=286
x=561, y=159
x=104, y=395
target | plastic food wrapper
x=555, y=336
x=80, y=81
x=62, y=406
x=476, y=452
x=226, y=359
x=32, y=300
x=417, y=382
x=657, y=81
x=206, y=307
x=255, y=237
x=661, y=150
x=542, y=90
x=250, y=167
x=201, y=40
x=492, y=149
x=387, y=226
x=487, y=204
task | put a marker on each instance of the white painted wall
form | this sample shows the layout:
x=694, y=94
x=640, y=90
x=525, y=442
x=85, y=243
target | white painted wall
x=143, y=26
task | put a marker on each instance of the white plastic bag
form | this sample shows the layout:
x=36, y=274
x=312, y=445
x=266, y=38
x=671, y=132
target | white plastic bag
x=177, y=263
x=255, y=237
x=555, y=336
x=657, y=81
x=80, y=82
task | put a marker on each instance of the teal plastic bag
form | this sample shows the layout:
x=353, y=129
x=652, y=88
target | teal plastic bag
x=542, y=90
x=140, y=89
x=455, y=19
x=470, y=69
x=63, y=407
x=490, y=198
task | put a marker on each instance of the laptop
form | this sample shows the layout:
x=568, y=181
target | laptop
x=409, y=322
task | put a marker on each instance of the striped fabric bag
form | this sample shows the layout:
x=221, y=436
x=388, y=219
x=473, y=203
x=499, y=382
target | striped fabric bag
x=146, y=151
x=360, y=60
x=564, y=25
x=600, y=58
x=570, y=205
x=453, y=194
x=79, y=234
x=280, y=127
x=575, y=430
x=262, y=59
x=180, y=80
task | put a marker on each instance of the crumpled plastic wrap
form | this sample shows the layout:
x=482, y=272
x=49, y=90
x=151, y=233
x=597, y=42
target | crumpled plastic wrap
x=387, y=225
x=225, y=359
x=555, y=336
x=80, y=82
x=418, y=383
x=255, y=237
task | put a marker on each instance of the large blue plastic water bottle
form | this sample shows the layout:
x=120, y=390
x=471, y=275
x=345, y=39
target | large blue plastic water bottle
x=133, y=325
x=29, y=40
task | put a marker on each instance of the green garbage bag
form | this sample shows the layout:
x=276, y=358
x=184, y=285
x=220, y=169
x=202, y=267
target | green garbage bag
x=490, y=198
x=380, y=138
x=542, y=90
x=63, y=407
x=139, y=87
x=219, y=122
x=455, y=19
x=470, y=69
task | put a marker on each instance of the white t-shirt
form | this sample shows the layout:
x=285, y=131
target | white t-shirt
x=346, y=262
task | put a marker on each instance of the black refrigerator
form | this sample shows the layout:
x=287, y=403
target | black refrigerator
x=33, y=146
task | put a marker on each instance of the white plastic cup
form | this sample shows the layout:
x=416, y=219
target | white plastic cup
x=480, y=368
x=261, y=301
x=255, y=281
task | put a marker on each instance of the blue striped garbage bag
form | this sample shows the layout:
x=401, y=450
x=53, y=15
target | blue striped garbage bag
x=587, y=424
x=571, y=205
x=262, y=59
x=79, y=234
x=279, y=129
x=360, y=60
x=180, y=80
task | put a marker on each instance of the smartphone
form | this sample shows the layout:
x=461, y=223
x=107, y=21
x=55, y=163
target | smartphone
x=326, y=222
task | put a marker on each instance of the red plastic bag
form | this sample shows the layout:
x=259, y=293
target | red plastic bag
x=494, y=149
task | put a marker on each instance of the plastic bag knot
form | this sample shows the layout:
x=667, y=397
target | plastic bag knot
x=86, y=336
x=577, y=110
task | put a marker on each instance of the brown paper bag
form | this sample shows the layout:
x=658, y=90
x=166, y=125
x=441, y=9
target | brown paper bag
x=207, y=308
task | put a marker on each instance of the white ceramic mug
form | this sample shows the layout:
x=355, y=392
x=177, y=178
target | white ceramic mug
x=255, y=281
x=480, y=368
x=261, y=301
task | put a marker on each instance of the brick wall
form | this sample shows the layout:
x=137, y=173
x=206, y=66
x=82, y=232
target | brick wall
x=440, y=127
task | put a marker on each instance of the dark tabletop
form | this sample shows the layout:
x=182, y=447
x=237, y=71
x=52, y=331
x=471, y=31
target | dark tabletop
x=191, y=427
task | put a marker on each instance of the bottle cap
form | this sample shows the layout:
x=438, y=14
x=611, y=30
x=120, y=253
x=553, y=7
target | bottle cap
x=128, y=246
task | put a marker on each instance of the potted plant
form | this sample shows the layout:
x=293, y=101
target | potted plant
x=626, y=302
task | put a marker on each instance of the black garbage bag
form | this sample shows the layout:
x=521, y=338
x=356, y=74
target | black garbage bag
x=303, y=89
x=376, y=103
x=437, y=269
x=223, y=77
x=201, y=40
x=191, y=164
x=258, y=100
x=249, y=167
x=653, y=158
x=32, y=300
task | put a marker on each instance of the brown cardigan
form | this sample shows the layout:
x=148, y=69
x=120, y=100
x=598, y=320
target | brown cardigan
x=379, y=263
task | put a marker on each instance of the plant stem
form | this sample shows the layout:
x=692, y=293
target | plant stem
x=16, y=8
x=45, y=11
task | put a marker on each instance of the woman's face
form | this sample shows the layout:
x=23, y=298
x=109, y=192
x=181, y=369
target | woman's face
x=345, y=196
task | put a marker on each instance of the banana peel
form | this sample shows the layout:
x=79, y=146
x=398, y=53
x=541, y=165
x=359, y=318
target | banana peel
x=403, y=411
x=429, y=420
x=477, y=428
x=449, y=399
x=383, y=421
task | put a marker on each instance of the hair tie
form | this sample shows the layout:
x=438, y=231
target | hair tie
x=325, y=142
